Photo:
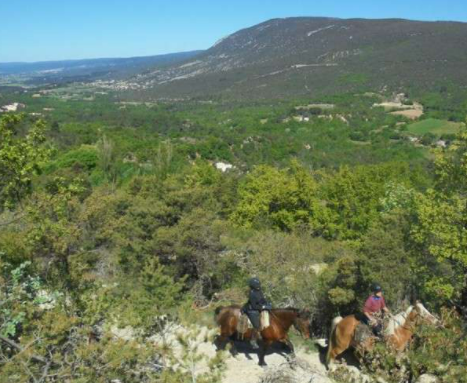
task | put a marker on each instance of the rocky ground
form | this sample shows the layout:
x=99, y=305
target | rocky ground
x=306, y=367
x=282, y=367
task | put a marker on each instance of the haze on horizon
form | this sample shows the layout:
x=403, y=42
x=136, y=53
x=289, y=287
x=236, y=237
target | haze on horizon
x=53, y=30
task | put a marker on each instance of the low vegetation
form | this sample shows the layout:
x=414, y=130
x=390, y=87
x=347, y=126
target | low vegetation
x=114, y=224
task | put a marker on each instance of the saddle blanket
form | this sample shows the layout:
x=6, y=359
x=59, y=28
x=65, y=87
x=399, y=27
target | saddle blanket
x=362, y=333
x=265, y=323
x=244, y=323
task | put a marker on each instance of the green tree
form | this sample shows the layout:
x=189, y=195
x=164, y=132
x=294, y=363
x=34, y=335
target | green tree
x=440, y=230
x=355, y=197
x=284, y=199
x=21, y=158
x=383, y=258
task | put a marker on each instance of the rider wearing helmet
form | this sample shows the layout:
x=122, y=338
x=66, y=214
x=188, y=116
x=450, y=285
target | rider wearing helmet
x=256, y=303
x=374, y=308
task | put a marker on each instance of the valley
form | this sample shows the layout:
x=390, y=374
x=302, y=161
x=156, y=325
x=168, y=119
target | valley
x=319, y=155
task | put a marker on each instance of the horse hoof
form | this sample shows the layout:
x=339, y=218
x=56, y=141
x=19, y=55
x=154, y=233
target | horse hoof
x=291, y=362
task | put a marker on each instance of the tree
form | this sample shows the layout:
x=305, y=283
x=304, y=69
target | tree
x=283, y=199
x=383, y=259
x=355, y=196
x=440, y=230
x=21, y=158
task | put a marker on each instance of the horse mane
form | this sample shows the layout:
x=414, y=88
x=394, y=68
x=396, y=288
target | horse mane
x=274, y=310
x=294, y=310
x=397, y=321
x=286, y=309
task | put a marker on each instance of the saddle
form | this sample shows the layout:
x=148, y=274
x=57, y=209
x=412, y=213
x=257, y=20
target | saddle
x=364, y=331
x=244, y=323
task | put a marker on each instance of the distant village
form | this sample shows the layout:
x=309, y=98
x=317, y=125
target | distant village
x=12, y=107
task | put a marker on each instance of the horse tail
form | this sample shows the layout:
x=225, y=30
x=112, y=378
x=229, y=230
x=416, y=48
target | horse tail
x=217, y=311
x=332, y=336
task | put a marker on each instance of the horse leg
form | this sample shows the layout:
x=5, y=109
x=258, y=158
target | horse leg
x=290, y=346
x=262, y=352
x=233, y=349
x=291, y=354
x=338, y=343
x=220, y=342
x=336, y=351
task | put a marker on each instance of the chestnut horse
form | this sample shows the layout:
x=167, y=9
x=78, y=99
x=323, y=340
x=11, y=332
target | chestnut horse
x=397, y=332
x=280, y=322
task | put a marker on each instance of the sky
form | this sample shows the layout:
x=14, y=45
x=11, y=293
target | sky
x=43, y=30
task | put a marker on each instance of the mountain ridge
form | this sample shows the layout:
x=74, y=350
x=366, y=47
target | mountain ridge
x=92, y=69
x=290, y=56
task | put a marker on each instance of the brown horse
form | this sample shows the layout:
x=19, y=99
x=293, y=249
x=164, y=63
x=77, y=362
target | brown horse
x=280, y=322
x=397, y=333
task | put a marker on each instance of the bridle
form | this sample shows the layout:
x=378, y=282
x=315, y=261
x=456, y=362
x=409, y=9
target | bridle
x=299, y=327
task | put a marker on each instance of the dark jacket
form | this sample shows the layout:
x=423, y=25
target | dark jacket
x=256, y=300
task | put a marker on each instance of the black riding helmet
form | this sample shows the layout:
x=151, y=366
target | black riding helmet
x=376, y=288
x=254, y=283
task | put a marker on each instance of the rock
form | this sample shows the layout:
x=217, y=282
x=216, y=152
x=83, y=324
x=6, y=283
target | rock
x=349, y=373
x=297, y=371
x=427, y=378
x=357, y=375
x=127, y=333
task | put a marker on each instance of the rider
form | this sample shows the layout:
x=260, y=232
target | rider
x=256, y=303
x=374, y=307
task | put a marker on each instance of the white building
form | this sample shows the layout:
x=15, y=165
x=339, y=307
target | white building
x=223, y=167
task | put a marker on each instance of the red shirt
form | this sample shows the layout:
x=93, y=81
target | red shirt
x=374, y=304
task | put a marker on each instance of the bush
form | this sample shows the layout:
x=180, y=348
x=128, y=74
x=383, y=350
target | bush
x=86, y=157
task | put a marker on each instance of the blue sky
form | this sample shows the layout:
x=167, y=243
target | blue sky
x=38, y=30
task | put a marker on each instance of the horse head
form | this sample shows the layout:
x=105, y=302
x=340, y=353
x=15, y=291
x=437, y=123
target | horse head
x=302, y=323
x=423, y=314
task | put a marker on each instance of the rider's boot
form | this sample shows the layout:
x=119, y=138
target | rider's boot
x=254, y=339
x=378, y=331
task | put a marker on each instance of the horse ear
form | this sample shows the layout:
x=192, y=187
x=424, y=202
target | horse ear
x=413, y=301
x=306, y=314
x=405, y=303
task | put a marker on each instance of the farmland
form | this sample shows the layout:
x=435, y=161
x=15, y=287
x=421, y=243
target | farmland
x=434, y=126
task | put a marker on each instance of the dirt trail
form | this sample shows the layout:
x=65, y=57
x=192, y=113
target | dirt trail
x=244, y=368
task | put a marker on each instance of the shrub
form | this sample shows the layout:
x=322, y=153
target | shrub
x=86, y=157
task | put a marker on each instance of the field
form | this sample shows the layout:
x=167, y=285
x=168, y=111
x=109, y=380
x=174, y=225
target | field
x=435, y=126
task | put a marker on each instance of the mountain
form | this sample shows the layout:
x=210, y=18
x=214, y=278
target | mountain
x=88, y=70
x=298, y=56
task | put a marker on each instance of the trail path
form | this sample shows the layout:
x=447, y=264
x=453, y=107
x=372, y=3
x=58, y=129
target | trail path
x=244, y=368
x=306, y=367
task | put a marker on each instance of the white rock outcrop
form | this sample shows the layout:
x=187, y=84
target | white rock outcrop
x=427, y=378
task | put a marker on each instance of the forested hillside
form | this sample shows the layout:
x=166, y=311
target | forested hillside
x=118, y=216
x=299, y=56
